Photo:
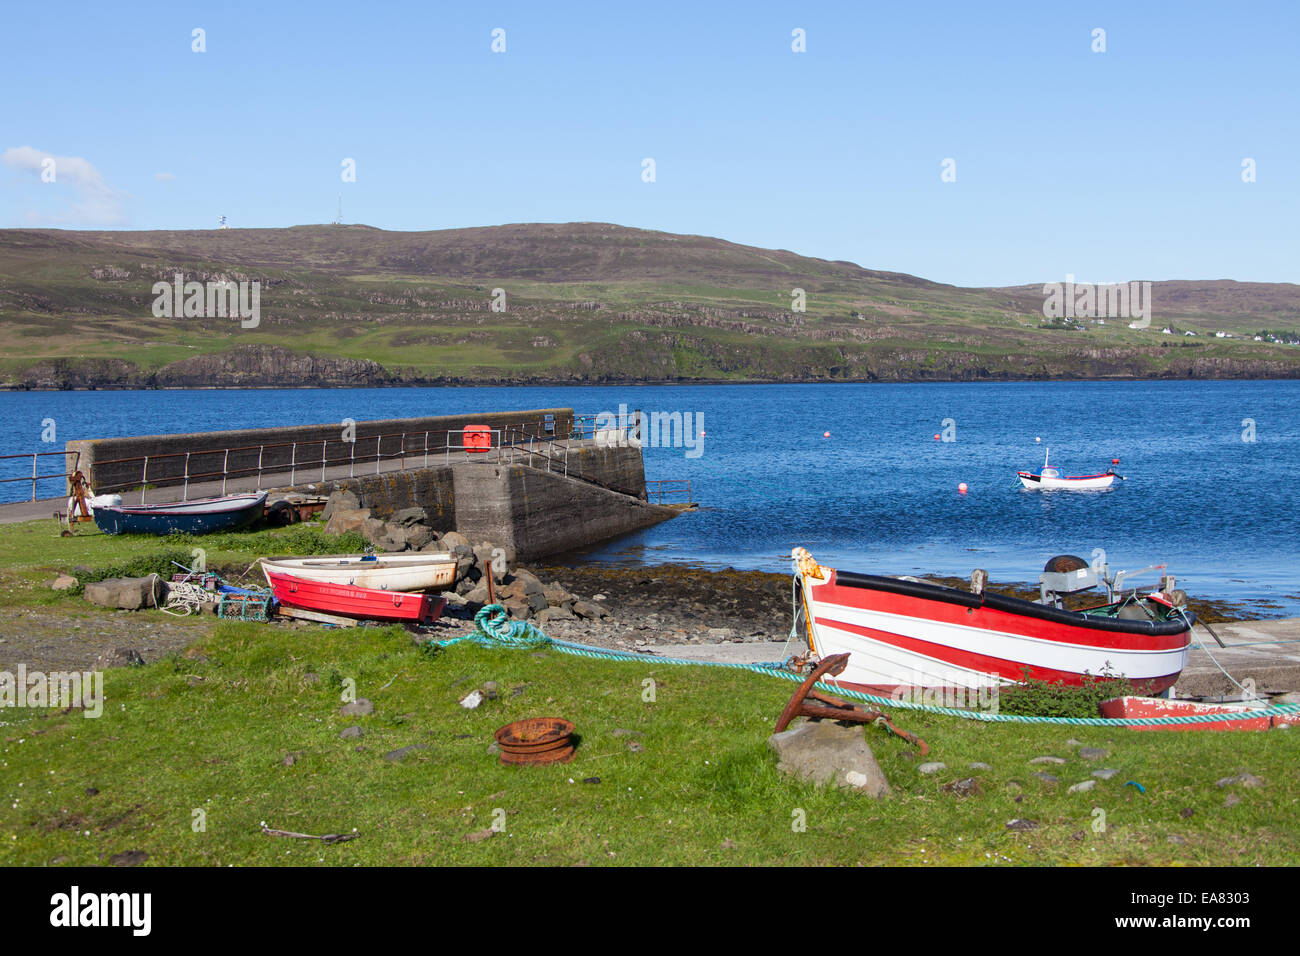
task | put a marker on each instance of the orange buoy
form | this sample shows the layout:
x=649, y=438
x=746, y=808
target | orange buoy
x=961, y=488
x=826, y=434
x=477, y=438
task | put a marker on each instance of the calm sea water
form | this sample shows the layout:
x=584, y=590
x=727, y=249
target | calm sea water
x=880, y=494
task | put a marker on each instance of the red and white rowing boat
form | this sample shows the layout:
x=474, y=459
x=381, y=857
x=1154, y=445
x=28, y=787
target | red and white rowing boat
x=348, y=600
x=907, y=634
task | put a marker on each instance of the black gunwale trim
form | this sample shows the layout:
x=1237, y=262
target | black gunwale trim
x=1011, y=605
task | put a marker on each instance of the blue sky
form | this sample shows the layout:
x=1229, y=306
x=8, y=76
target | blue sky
x=1111, y=166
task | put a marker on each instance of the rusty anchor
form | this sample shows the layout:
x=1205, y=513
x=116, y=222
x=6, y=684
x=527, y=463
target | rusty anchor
x=833, y=708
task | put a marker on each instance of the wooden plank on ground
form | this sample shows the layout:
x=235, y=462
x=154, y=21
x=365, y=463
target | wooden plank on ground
x=317, y=617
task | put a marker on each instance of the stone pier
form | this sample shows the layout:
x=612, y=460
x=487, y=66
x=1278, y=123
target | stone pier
x=545, y=493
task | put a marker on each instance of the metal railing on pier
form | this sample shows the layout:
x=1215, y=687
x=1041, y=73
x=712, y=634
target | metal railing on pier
x=676, y=490
x=35, y=475
x=537, y=444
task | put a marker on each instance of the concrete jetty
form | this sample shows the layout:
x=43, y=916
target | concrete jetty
x=546, y=483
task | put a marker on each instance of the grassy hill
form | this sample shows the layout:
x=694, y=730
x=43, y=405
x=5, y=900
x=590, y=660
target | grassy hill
x=586, y=302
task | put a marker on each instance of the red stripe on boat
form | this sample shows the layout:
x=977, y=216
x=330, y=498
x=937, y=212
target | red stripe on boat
x=992, y=619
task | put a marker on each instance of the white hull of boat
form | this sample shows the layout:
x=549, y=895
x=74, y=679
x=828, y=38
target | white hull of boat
x=1091, y=483
x=394, y=572
x=877, y=661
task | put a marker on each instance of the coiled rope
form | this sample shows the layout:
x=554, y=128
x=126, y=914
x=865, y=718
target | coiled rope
x=493, y=628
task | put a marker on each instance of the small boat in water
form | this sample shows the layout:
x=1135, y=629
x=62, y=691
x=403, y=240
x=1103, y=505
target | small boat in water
x=347, y=600
x=389, y=572
x=904, y=633
x=1051, y=479
x=197, y=516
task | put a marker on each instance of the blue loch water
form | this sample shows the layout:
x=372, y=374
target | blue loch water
x=880, y=494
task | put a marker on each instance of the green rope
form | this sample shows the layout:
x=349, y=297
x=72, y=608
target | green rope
x=494, y=629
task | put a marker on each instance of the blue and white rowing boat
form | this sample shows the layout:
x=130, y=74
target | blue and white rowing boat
x=200, y=516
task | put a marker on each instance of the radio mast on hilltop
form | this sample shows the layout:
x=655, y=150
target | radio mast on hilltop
x=221, y=222
x=339, y=220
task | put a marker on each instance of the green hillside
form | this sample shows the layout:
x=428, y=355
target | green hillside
x=585, y=302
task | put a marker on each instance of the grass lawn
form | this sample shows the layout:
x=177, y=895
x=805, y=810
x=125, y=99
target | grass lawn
x=32, y=553
x=189, y=760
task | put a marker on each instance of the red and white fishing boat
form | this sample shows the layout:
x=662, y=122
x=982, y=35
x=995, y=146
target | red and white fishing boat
x=346, y=600
x=904, y=633
x=1051, y=479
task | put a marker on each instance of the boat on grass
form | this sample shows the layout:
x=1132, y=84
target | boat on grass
x=1051, y=479
x=1140, y=708
x=388, y=572
x=197, y=516
x=346, y=600
x=904, y=633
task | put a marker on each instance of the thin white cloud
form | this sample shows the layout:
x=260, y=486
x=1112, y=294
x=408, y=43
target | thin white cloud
x=93, y=201
x=165, y=177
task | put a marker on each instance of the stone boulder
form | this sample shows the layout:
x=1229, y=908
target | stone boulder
x=825, y=752
x=518, y=609
x=590, y=611
x=465, y=568
x=393, y=539
x=556, y=596
x=484, y=561
x=347, y=519
x=343, y=500
x=129, y=593
x=452, y=539
x=407, y=517
x=554, y=614
x=524, y=588
x=417, y=536
x=372, y=529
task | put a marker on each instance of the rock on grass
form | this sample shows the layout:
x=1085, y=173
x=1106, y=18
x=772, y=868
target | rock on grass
x=1244, y=779
x=962, y=788
x=825, y=752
